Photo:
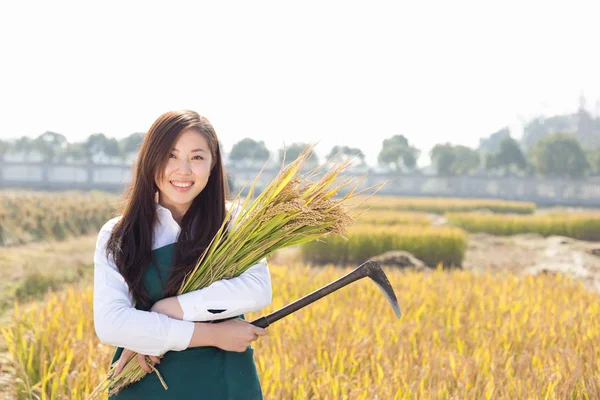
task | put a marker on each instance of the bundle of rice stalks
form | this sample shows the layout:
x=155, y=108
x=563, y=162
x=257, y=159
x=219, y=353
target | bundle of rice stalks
x=290, y=211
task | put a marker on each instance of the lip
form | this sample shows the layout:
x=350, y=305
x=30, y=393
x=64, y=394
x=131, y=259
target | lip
x=181, y=189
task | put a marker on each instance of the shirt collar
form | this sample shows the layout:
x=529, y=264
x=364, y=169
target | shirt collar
x=164, y=212
x=166, y=229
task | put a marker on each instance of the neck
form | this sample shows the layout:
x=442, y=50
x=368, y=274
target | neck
x=177, y=211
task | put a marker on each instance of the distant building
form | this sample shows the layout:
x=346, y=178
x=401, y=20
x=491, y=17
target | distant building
x=581, y=124
x=30, y=156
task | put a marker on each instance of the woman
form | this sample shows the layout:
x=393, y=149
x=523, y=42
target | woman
x=174, y=206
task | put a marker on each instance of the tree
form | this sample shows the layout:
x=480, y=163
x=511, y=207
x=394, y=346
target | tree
x=294, y=150
x=454, y=160
x=541, y=127
x=346, y=152
x=490, y=162
x=249, y=149
x=443, y=157
x=22, y=145
x=51, y=145
x=76, y=151
x=131, y=143
x=593, y=157
x=559, y=155
x=397, y=152
x=507, y=157
x=4, y=148
x=492, y=143
x=98, y=143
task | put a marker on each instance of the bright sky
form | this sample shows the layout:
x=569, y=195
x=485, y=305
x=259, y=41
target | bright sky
x=347, y=73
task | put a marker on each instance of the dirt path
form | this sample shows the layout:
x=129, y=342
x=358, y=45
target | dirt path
x=520, y=254
x=533, y=254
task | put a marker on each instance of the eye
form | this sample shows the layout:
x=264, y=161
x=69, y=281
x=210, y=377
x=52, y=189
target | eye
x=173, y=155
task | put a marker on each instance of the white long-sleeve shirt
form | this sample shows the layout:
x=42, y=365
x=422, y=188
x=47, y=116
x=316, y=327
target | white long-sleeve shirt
x=117, y=322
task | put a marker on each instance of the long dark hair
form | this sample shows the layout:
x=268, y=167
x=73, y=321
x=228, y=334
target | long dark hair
x=131, y=240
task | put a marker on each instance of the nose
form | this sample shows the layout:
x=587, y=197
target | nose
x=184, y=167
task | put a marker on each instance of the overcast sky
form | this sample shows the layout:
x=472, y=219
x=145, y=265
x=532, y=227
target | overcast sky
x=348, y=73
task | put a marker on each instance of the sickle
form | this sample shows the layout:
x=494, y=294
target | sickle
x=369, y=268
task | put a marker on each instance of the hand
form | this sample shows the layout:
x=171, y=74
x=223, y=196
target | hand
x=126, y=355
x=236, y=334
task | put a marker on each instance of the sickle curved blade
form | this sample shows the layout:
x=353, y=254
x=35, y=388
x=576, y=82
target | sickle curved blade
x=369, y=268
x=377, y=275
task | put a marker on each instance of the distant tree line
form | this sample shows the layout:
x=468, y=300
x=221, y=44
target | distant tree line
x=544, y=150
x=54, y=147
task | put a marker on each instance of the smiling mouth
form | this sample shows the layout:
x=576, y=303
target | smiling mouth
x=182, y=184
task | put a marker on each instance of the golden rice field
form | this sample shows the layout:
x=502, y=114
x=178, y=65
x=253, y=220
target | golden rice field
x=27, y=216
x=461, y=336
x=441, y=205
x=582, y=226
x=391, y=217
x=431, y=244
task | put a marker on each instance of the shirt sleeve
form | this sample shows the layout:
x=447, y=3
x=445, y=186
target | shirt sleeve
x=225, y=298
x=118, y=323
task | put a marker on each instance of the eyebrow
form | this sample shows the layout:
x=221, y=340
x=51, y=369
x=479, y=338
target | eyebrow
x=193, y=151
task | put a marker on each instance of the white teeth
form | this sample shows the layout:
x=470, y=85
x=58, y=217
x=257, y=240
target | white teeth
x=182, y=184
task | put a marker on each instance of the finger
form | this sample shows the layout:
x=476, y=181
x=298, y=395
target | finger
x=122, y=360
x=142, y=361
x=118, y=368
x=261, y=331
x=155, y=359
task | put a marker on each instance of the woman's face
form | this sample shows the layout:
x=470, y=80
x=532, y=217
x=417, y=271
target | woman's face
x=186, y=172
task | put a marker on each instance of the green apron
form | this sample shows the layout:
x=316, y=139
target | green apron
x=198, y=372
